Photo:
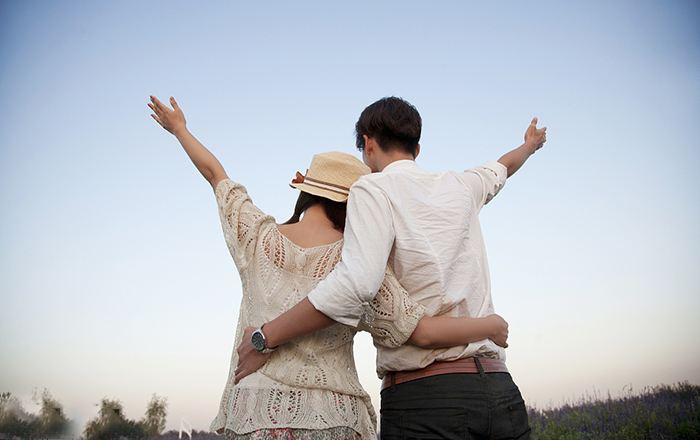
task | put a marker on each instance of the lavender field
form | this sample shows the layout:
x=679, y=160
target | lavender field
x=661, y=412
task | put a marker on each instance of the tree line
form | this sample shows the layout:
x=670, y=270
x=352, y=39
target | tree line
x=51, y=422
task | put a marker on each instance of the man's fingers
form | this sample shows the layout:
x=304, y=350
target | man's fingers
x=534, y=121
x=174, y=103
x=240, y=375
x=237, y=374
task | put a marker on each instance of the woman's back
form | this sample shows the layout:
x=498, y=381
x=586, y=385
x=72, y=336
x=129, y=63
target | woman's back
x=312, y=382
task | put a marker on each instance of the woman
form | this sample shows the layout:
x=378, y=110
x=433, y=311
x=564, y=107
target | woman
x=308, y=389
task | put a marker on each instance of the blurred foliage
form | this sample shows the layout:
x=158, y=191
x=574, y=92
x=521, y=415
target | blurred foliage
x=156, y=414
x=111, y=423
x=51, y=421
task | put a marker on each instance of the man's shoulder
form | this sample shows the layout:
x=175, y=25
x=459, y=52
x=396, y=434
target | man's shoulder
x=371, y=185
x=384, y=181
x=372, y=180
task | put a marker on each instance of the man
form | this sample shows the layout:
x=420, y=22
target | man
x=425, y=225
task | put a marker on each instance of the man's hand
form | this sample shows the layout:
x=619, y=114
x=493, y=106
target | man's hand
x=249, y=359
x=499, y=330
x=535, y=137
x=171, y=120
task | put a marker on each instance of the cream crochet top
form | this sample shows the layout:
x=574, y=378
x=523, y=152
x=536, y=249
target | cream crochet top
x=311, y=382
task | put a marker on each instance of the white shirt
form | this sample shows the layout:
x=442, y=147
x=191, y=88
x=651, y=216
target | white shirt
x=426, y=226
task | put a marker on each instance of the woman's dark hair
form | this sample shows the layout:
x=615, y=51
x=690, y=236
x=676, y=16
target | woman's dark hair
x=334, y=210
x=393, y=122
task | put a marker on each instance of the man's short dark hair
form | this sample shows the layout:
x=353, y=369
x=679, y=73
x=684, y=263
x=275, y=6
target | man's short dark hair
x=393, y=122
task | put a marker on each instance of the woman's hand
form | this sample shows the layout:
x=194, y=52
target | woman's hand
x=535, y=137
x=171, y=120
x=499, y=330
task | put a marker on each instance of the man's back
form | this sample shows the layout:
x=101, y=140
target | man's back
x=438, y=252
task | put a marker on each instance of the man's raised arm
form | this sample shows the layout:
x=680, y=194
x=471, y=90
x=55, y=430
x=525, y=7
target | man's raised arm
x=534, y=139
x=355, y=280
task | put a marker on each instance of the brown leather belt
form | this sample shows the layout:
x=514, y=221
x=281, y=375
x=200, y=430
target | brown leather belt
x=465, y=365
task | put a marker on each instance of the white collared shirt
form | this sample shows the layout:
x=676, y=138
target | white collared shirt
x=426, y=226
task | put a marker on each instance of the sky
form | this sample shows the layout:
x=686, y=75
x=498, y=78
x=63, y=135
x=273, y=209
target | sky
x=115, y=280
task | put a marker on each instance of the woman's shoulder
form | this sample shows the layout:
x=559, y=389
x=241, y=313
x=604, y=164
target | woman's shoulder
x=303, y=261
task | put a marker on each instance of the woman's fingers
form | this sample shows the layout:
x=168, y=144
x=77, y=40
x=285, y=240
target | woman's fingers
x=174, y=103
x=155, y=109
x=159, y=104
x=157, y=120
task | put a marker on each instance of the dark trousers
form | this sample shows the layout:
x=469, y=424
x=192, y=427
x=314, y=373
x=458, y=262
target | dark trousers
x=454, y=406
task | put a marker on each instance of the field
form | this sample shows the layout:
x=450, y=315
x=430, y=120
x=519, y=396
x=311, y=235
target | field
x=661, y=412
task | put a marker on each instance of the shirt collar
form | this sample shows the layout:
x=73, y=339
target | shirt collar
x=400, y=164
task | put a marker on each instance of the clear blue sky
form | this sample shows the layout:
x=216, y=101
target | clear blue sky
x=114, y=276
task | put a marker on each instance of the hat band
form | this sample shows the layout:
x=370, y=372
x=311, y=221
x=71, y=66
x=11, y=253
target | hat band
x=325, y=186
x=321, y=182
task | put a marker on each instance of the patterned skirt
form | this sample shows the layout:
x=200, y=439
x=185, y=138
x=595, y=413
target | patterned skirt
x=336, y=433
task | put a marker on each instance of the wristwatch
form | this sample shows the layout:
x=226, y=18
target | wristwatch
x=259, y=342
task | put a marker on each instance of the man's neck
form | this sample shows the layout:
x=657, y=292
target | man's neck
x=393, y=157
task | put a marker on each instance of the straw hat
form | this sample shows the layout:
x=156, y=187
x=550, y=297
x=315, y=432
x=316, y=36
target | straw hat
x=330, y=175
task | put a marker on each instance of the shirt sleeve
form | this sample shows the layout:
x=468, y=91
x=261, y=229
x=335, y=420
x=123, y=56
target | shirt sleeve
x=485, y=181
x=241, y=220
x=368, y=239
x=392, y=316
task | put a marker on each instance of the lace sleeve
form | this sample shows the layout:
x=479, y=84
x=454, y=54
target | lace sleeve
x=241, y=220
x=392, y=316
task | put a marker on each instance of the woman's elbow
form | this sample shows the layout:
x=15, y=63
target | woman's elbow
x=421, y=337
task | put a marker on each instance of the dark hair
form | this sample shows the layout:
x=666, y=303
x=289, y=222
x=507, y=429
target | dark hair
x=334, y=210
x=393, y=122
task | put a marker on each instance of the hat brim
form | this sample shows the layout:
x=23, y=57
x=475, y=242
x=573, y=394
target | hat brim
x=321, y=192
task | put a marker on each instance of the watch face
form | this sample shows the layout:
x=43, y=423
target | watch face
x=258, y=341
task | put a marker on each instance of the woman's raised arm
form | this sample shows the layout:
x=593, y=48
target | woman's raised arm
x=174, y=122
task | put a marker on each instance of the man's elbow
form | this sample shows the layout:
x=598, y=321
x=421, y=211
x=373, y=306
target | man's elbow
x=508, y=164
x=364, y=291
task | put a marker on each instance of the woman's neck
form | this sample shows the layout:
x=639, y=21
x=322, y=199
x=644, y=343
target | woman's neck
x=314, y=229
x=315, y=217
